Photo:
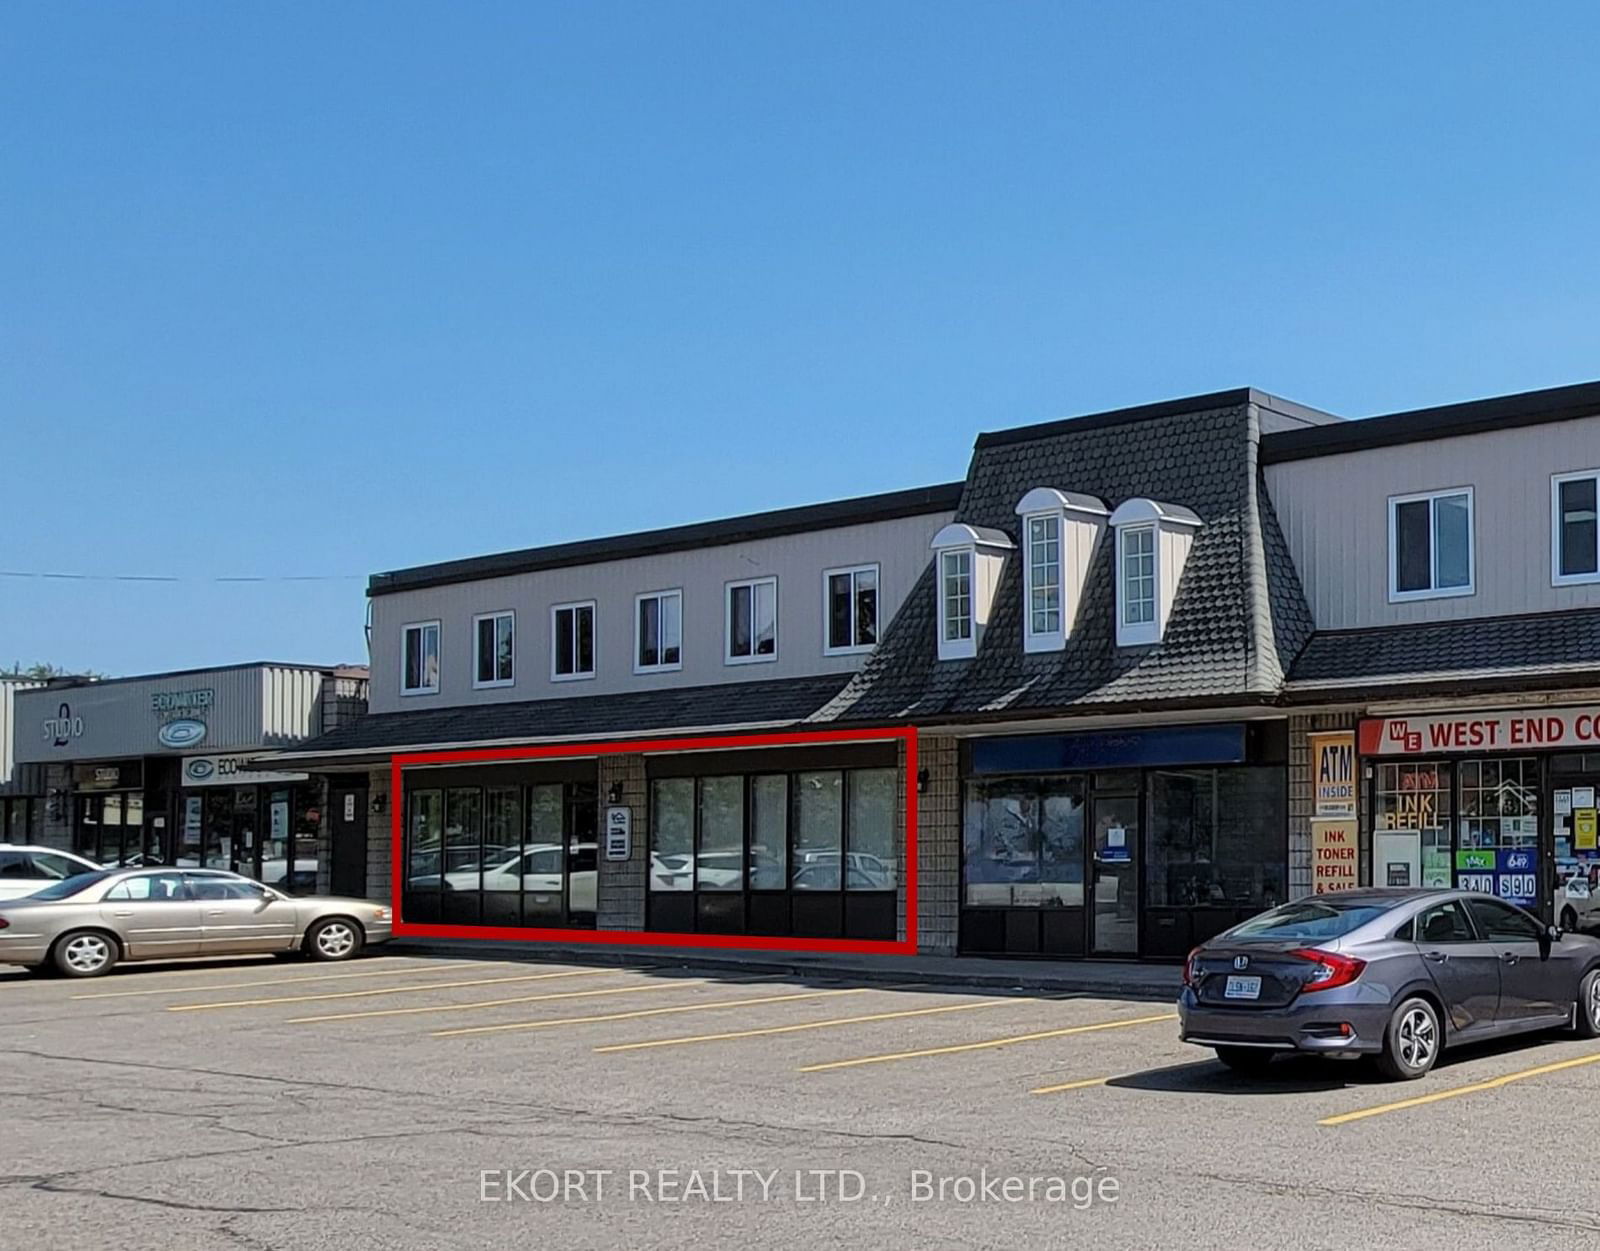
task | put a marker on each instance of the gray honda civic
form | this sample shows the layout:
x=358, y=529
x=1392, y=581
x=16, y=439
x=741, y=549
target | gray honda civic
x=1397, y=975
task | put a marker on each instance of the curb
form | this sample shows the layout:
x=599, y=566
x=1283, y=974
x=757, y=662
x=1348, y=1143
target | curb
x=1163, y=986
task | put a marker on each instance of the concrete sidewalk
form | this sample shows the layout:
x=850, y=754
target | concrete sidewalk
x=1112, y=979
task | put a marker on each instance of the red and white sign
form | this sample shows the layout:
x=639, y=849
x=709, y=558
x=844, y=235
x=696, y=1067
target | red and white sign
x=1530, y=729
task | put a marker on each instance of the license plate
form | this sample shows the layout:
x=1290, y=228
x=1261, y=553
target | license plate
x=1242, y=988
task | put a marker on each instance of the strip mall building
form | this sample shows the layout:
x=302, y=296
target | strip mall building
x=1166, y=666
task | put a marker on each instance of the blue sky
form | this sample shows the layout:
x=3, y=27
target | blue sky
x=322, y=289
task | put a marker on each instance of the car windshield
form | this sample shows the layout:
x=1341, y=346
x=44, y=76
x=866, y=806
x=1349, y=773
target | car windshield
x=1310, y=919
x=70, y=886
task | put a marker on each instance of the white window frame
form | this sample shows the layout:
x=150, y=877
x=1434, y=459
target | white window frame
x=594, y=634
x=638, y=637
x=496, y=617
x=853, y=648
x=1138, y=633
x=1044, y=640
x=438, y=645
x=1557, y=578
x=754, y=658
x=1397, y=596
x=958, y=648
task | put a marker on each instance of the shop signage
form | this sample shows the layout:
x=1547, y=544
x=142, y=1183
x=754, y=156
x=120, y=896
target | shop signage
x=230, y=771
x=1525, y=730
x=619, y=832
x=1333, y=766
x=1583, y=829
x=1333, y=856
x=1511, y=873
x=106, y=777
x=183, y=716
x=62, y=728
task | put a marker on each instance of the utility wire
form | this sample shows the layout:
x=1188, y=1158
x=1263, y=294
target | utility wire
x=158, y=577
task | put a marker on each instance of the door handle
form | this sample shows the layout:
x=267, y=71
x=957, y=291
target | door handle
x=123, y=912
x=1438, y=957
x=216, y=912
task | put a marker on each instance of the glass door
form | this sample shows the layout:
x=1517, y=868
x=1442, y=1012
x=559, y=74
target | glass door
x=1114, y=876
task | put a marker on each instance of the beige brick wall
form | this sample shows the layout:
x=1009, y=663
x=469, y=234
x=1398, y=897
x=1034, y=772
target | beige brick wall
x=621, y=890
x=938, y=846
x=1300, y=796
x=379, y=838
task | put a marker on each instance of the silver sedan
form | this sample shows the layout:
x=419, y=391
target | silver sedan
x=84, y=925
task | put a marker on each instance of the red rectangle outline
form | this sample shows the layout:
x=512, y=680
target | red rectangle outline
x=652, y=938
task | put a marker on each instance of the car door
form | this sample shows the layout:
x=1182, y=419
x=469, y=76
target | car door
x=154, y=916
x=1464, y=967
x=239, y=915
x=1532, y=985
x=17, y=875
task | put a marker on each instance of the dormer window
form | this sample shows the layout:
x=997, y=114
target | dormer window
x=1059, y=531
x=1153, y=542
x=969, y=561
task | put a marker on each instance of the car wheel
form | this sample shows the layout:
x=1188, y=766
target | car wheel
x=1245, y=1059
x=1412, y=1042
x=84, y=953
x=334, y=939
x=1587, y=1020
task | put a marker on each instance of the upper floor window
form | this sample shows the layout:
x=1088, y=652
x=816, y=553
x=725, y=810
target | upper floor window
x=1575, y=540
x=494, y=648
x=419, y=658
x=572, y=641
x=658, y=633
x=850, y=604
x=968, y=565
x=1043, y=553
x=1430, y=545
x=1152, y=547
x=752, y=621
x=1059, y=532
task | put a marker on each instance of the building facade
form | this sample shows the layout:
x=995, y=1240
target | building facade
x=159, y=769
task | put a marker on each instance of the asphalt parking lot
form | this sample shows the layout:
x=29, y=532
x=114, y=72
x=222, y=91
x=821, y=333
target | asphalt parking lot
x=414, y=1102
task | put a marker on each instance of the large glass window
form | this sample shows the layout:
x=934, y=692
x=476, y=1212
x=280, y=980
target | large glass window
x=1497, y=848
x=818, y=830
x=463, y=838
x=571, y=642
x=672, y=835
x=425, y=854
x=852, y=608
x=1417, y=796
x=870, y=859
x=494, y=661
x=752, y=626
x=1576, y=533
x=769, y=832
x=1430, y=544
x=1023, y=842
x=659, y=635
x=1215, y=837
x=419, y=672
x=720, y=863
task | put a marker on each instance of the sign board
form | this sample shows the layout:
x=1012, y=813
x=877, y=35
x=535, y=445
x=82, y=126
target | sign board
x=1583, y=797
x=1334, y=857
x=191, y=820
x=1397, y=858
x=350, y=806
x=1583, y=829
x=230, y=771
x=1333, y=772
x=1524, y=730
x=619, y=832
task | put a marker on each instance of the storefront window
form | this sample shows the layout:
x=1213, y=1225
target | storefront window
x=769, y=832
x=1416, y=797
x=672, y=835
x=720, y=864
x=463, y=836
x=1023, y=842
x=871, y=862
x=1216, y=838
x=818, y=830
x=1498, y=850
x=426, y=830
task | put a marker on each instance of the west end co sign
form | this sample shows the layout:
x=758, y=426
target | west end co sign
x=1524, y=730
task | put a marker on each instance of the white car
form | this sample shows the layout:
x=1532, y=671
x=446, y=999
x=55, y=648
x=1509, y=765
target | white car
x=25, y=868
x=1577, y=904
x=536, y=866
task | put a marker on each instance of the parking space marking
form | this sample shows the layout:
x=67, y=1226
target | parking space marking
x=629, y=1016
x=1079, y=1085
x=991, y=1042
x=390, y=990
x=1493, y=1083
x=809, y=1025
x=285, y=981
x=500, y=1003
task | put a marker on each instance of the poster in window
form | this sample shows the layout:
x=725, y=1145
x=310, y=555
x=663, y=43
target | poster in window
x=1333, y=856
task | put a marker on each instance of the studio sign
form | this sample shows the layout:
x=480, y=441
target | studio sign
x=62, y=728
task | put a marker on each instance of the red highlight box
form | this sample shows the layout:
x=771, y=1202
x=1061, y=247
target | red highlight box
x=654, y=938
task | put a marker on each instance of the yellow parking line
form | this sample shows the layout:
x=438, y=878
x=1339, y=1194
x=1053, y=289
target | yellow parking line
x=629, y=1016
x=500, y=1003
x=808, y=1025
x=1081, y=1085
x=389, y=990
x=285, y=981
x=1493, y=1083
x=992, y=1042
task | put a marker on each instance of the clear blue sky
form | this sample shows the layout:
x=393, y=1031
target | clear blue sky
x=333, y=288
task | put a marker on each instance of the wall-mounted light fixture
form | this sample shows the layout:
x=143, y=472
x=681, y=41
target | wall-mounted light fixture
x=614, y=795
x=380, y=801
x=922, y=781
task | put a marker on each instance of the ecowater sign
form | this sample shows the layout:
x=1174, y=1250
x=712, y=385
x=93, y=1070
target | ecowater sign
x=182, y=716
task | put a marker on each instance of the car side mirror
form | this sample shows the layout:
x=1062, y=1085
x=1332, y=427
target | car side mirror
x=1552, y=933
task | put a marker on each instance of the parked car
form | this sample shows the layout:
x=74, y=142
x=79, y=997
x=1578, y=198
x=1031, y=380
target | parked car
x=25, y=869
x=1577, y=901
x=536, y=867
x=1395, y=974
x=84, y=925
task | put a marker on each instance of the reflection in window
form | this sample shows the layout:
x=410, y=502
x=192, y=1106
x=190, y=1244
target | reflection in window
x=871, y=859
x=753, y=620
x=1023, y=842
x=720, y=864
x=672, y=835
x=1215, y=838
x=769, y=832
x=1416, y=796
x=1577, y=531
x=426, y=828
x=818, y=830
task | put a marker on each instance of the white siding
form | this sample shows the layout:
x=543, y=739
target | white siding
x=290, y=704
x=898, y=547
x=1334, y=513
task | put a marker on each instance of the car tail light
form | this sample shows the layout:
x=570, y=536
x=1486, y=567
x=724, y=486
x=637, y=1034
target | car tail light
x=1191, y=968
x=4, y=924
x=1332, y=969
